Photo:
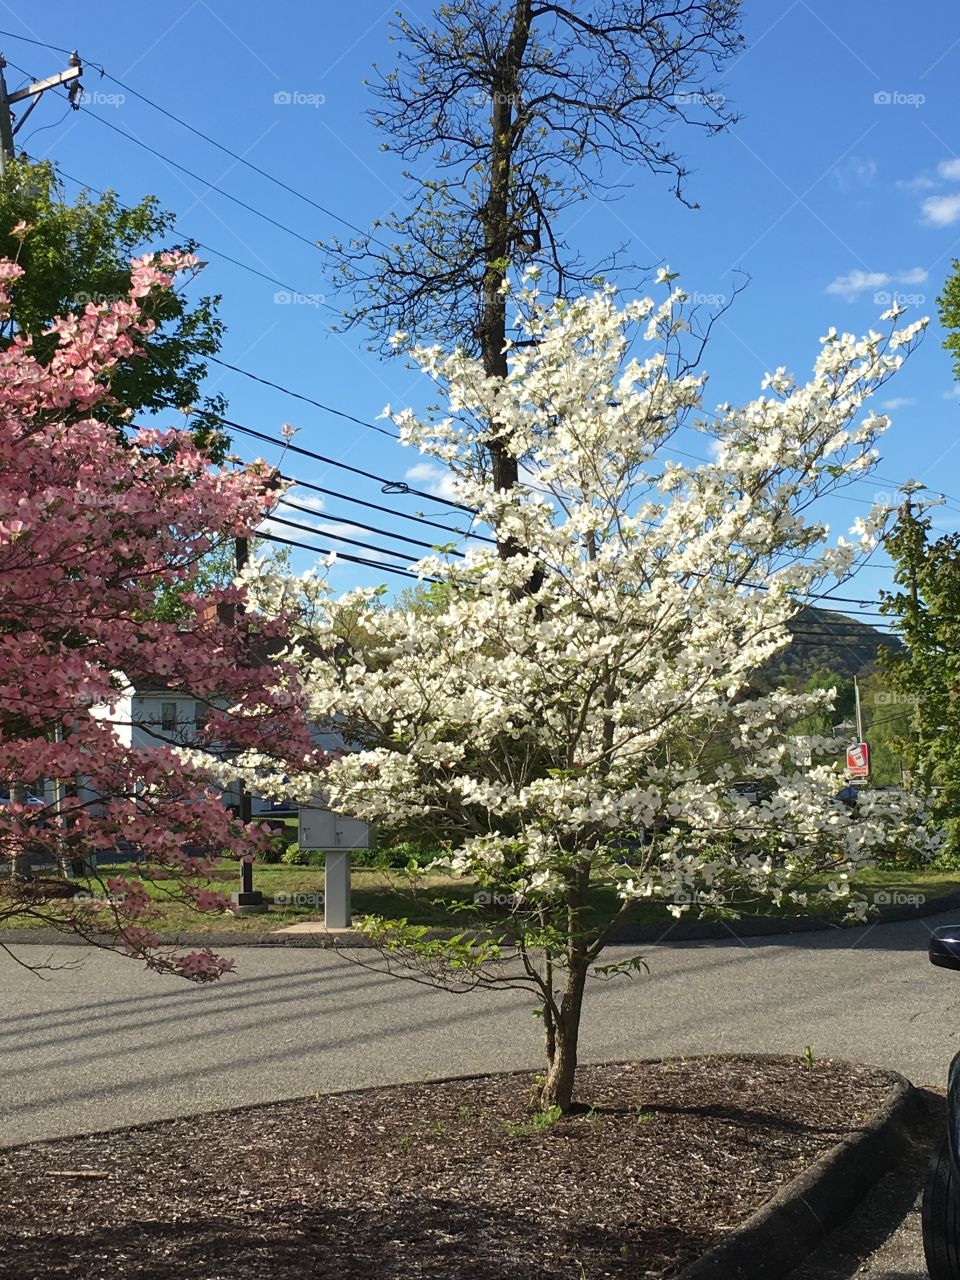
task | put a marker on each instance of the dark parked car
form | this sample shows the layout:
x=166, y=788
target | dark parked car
x=941, y=1197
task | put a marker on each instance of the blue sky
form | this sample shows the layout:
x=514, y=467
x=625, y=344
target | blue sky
x=840, y=185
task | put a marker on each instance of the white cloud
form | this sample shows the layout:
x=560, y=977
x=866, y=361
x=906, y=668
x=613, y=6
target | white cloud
x=856, y=282
x=898, y=402
x=920, y=183
x=941, y=211
x=435, y=479
x=949, y=169
x=952, y=394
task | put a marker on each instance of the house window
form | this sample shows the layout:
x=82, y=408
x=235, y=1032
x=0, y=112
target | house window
x=168, y=716
x=199, y=715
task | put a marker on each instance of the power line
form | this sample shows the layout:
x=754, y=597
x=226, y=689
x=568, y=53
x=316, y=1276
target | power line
x=376, y=506
x=200, y=134
x=356, y=524
x=175, y=164
x=297, y=235
x=387, y=486
x=298, y=395
x=211, y=186
x=339, y=537
x=343, y=413
x=207, y=248
x=246, y=373
x=343, y=555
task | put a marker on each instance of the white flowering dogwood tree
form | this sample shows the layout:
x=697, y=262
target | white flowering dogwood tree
x=570, y=720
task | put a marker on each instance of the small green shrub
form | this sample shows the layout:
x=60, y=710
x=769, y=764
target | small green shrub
x=274, y=851
x=294, y=856
x=396, y=856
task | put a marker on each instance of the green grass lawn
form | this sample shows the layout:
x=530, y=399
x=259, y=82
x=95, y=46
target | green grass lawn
x=387, y=893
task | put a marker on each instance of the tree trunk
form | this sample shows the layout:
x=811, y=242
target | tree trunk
x=499, y=232
x=562, y=1045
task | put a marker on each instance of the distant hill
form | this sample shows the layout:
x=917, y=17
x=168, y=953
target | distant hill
x=830, y=641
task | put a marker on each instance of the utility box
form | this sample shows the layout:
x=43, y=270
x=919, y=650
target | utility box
x=336, y=836
x=324, y=829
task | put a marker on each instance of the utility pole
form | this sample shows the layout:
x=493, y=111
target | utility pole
x=917, y=714
x=34, y=91
x=248, y=899
x=856, y=703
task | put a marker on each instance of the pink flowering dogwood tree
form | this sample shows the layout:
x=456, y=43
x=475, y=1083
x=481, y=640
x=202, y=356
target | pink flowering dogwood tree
x=92, y=528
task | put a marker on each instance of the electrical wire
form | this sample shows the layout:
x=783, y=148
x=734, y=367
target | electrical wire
x=210, y=186
x=376, y=506
x=290, y=231
x=298, y=395
x=343, y=555
x=198, y=133
x=339, y=537
x=387, y=486
x=207, y=248
x=175, y=164
x=356, y=524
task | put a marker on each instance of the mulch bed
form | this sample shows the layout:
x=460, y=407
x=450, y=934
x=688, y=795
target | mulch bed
x=448, y=1180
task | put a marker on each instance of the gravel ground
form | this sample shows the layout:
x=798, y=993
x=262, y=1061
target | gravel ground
x=444, y=1180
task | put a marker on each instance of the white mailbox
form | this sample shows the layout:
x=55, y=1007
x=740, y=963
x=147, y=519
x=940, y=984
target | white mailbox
x=324, y=829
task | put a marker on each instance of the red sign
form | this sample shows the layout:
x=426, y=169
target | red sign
x=858, y=760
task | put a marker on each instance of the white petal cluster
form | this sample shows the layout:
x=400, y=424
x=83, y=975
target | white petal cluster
x=599, y=720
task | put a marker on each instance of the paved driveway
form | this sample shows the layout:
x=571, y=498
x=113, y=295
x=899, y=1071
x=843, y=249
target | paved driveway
x=107, y=1044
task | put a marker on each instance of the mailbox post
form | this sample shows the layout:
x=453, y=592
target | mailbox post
x=335, y=836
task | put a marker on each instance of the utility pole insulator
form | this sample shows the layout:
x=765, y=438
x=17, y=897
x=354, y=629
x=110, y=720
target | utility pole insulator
x=33, y=92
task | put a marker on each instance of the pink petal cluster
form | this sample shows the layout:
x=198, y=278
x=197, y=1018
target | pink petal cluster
x=91, y=528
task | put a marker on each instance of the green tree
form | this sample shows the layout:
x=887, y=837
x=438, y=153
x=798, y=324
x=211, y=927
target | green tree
x=80, y=251
x=926, y=674
x=948, y=304
x=888, y=727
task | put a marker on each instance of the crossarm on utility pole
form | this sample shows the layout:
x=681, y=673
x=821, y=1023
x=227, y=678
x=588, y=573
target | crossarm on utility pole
x=32, y=91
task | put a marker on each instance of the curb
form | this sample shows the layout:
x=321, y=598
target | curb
x=697, y=931
x=784, y=1231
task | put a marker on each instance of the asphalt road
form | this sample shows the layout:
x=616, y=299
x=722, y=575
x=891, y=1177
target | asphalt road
x=107, y=1043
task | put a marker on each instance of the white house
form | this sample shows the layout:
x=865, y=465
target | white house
x=154, y=715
